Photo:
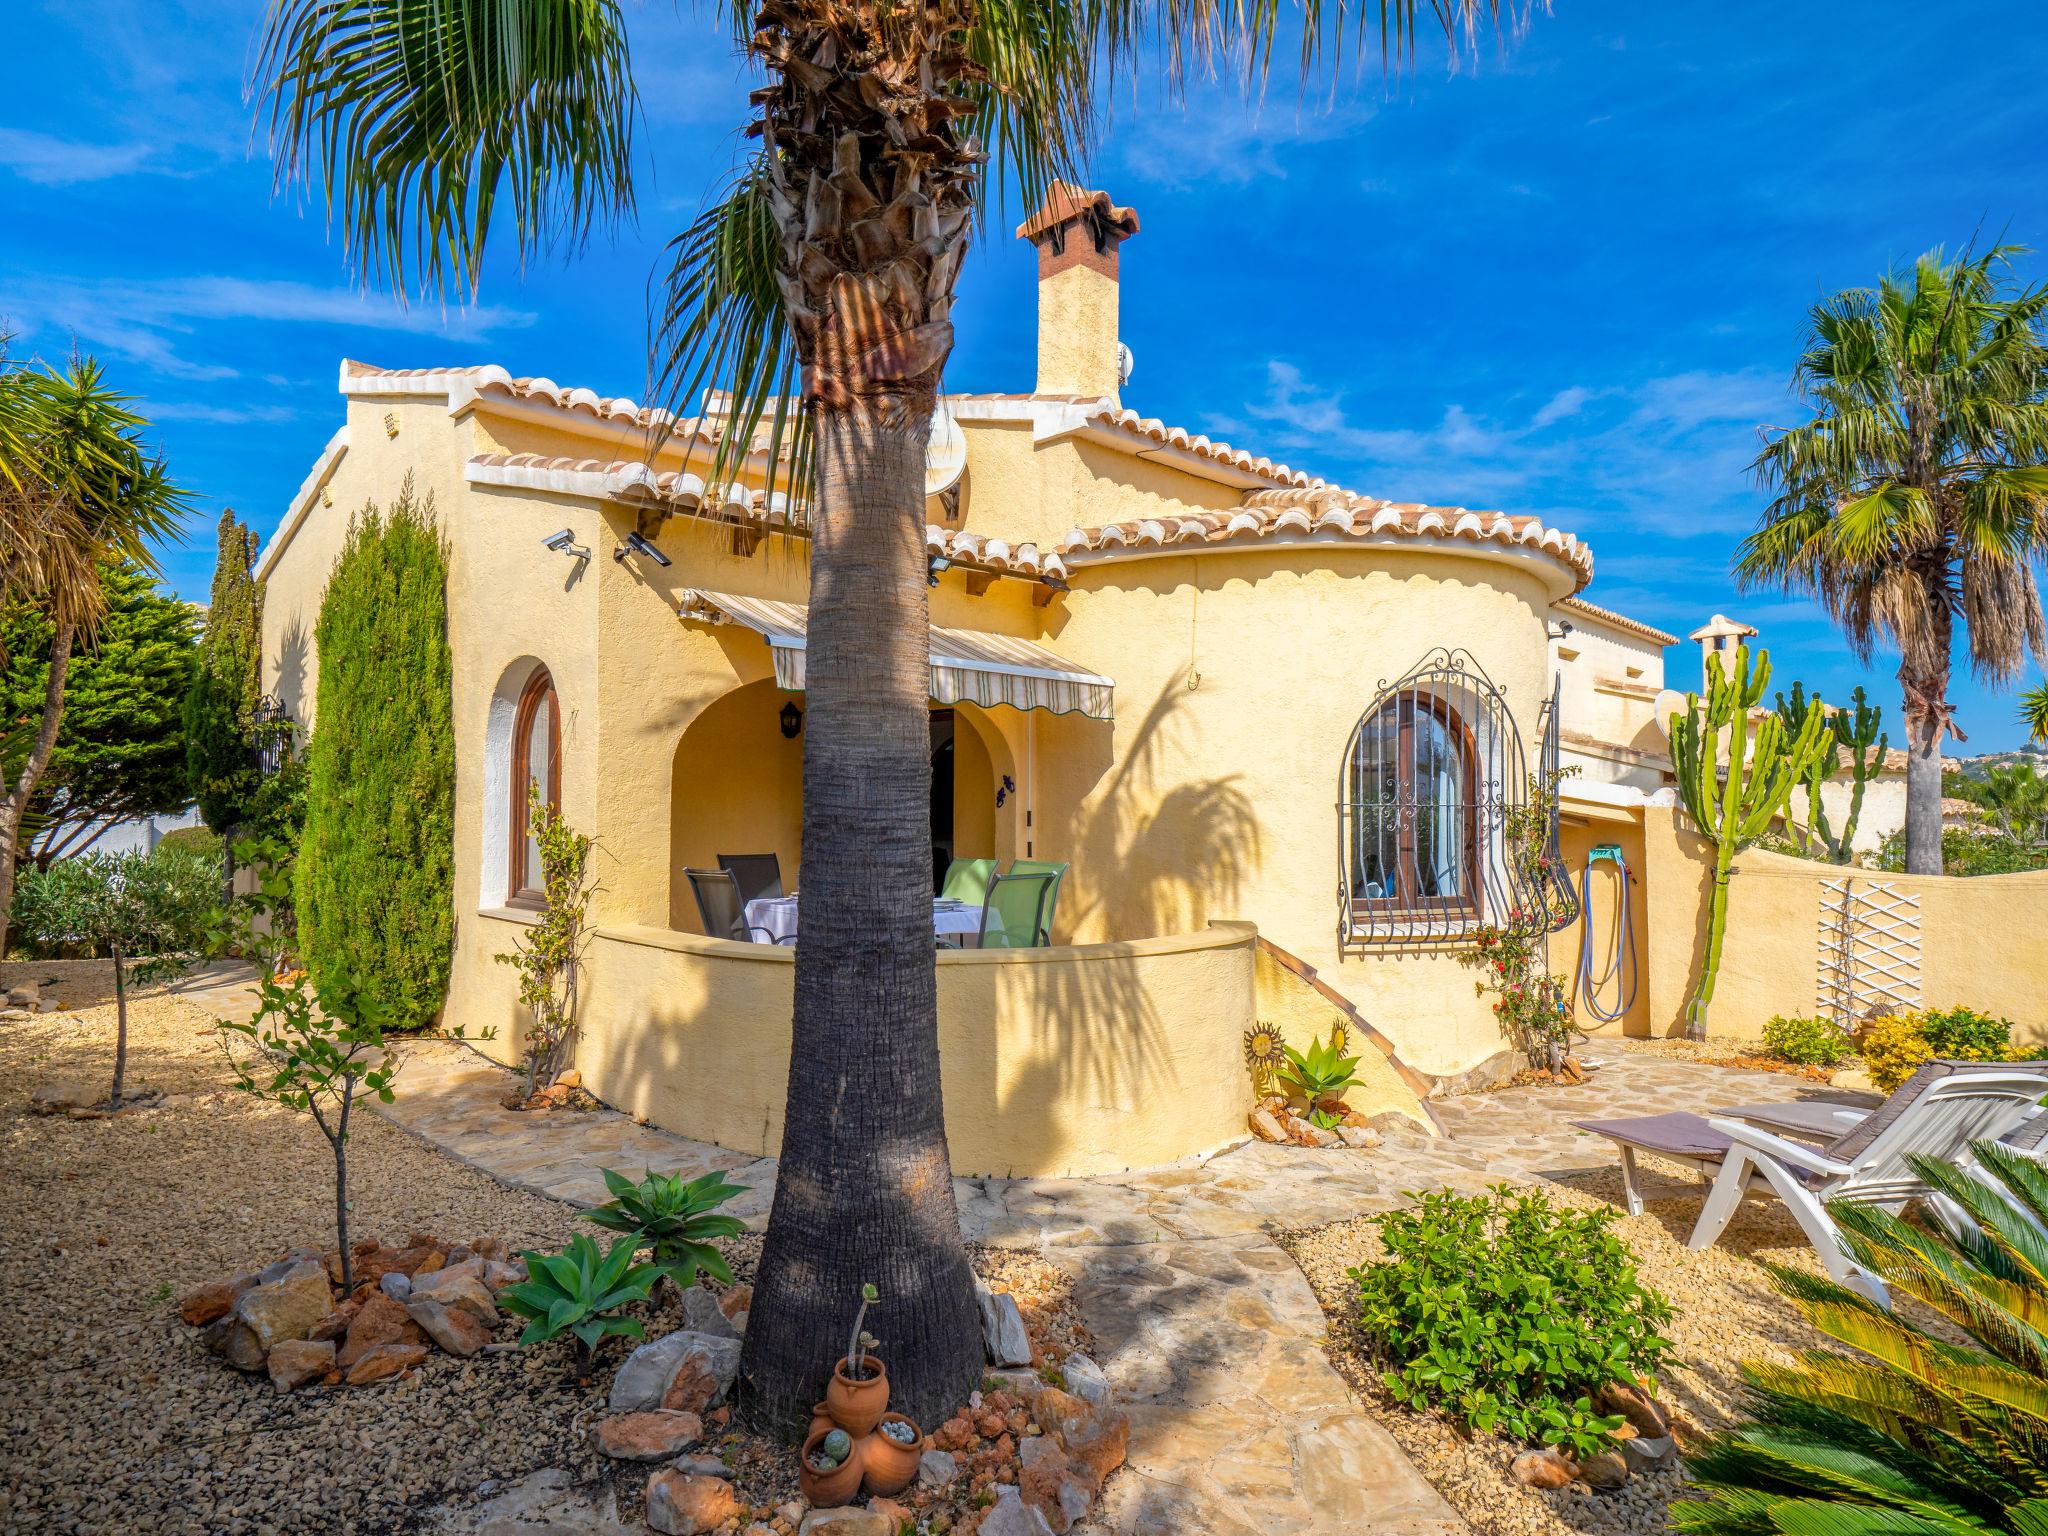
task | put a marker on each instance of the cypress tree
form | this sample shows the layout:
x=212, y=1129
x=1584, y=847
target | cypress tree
x=220, y=707
x=375, y=870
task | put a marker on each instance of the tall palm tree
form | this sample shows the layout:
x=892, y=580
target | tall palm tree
x=77, y=491
x=816, y=291
x=1917, y=496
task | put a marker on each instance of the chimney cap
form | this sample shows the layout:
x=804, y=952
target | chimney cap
x=1066, y=204
x=1720, y=626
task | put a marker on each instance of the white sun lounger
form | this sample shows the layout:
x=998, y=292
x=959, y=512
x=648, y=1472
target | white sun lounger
x=1938, y=1112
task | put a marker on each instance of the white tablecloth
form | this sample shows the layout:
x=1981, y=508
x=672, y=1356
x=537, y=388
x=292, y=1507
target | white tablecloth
x=775, y=917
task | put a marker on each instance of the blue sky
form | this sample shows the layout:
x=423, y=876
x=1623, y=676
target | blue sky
x=1567, y=278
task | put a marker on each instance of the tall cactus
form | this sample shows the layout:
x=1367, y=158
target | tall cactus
x=1733, y=812
x=1852, y=730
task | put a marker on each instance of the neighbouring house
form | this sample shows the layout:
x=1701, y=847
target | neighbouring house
x=1272, y=726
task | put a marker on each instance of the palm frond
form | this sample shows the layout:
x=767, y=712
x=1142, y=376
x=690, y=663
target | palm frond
x=413, y=116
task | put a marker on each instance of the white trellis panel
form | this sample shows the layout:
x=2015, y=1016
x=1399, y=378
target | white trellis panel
x=1869, y=949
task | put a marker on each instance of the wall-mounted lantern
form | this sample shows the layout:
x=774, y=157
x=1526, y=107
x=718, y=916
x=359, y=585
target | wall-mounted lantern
x=792, y=721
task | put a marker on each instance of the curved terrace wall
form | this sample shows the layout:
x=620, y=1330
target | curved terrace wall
x=1056, y=1062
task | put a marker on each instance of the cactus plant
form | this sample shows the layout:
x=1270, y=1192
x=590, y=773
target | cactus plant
x=1854, y=730
x=1733, y=812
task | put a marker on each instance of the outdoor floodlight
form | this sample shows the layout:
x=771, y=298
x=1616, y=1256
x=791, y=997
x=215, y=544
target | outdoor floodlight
x=936, y=567
x=640, y=546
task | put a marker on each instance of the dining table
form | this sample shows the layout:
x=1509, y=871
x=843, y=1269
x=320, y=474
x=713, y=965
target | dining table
x=775, y=917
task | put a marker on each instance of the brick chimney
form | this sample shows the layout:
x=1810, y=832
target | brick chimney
x=1077, y=232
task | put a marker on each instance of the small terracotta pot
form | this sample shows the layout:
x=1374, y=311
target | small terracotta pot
x=829, y=1490
x=886, y=1467
x=857, y=1406
x=821, y=1419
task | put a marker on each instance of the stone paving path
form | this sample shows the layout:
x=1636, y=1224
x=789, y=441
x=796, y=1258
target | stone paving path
x=1208, y=1332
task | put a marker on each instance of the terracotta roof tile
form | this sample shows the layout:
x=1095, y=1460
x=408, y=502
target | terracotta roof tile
x=1131, y=424
x=1619, y=620
x=1329, y=511
x=638, y=484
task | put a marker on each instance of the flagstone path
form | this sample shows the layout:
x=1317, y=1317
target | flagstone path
x=1208, y=1332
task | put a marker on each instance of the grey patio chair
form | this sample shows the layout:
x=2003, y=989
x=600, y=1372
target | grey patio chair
x=758, y=874
x=1938, y=1112
x=723, y=913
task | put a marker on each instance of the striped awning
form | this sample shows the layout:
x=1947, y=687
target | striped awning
x=969, y=666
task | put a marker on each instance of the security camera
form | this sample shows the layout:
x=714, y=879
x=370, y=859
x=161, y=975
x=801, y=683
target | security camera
x=564, y=543
x=640, y=546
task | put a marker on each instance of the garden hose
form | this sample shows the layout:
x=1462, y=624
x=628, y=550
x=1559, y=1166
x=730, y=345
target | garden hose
x=1620, y=972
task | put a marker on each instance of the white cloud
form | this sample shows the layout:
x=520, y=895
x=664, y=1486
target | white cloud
x=53, y=162
x=1566, y=402
x=223, y=415
x=147, y=321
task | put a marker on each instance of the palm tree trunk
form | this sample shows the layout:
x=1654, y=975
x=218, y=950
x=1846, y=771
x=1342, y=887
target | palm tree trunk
x=1924, y=681
x=14, y=797
x=865, y=1191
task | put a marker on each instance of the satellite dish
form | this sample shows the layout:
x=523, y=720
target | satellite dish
x=1126, y=365
x=945, y=452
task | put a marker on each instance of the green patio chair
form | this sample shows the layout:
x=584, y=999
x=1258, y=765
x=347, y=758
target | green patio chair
x=967, y=880
x=1013, y=917
x=1052, y=896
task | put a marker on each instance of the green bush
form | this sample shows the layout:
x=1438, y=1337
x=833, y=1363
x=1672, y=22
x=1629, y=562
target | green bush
x=1507, y=1312
x=375, y=868
x=1807, y=1042
x=200, y=842
x=1964, y=1034
x=1969, y=853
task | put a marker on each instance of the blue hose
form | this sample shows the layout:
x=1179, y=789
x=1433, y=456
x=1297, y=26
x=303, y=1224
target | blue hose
x=1621, y=972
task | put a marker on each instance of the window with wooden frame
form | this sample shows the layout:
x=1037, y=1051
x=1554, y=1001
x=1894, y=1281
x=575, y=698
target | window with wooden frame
x=536, y=759
x=1415, y=844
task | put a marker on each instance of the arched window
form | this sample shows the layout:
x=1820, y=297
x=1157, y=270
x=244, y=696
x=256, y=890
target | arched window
x=1415, y=834
x=536, y=759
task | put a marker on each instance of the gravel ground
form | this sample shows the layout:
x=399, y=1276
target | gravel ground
x=1713, y=1053
x=112, y=1416
x=1724, y=1309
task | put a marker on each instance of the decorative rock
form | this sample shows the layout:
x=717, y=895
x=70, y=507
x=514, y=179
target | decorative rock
x=702, y=1466
x=1047, y=1483
x=498, y=1275
x=59, y=1094
x=287, y=1307
x=1011, y=1516
x=1085, y=1379
x=455, y=1329
x=653, y=1436
x=396, y=1284
x=937, y=1469
x=1002, y=1327
x=1541, y=1469
x=213, y=1300
x=847, y=1521
x=466, y=1293
x=1266, y=1125
x=684, y=1504
x=1642, y=1411
x=235, y=1342
x=384, y=1361
x=702, y=1314
x=1357, y=1136
x=294, y=1362
x=737, y=1302
x=890, y=1511
x=382, y=1321
x=1645, y=1452
x=1607, y=1470
x=1096, y=1440
x=687, y=1371
x=335, y=1323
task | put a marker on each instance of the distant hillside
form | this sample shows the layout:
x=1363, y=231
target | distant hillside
x=1978, y=767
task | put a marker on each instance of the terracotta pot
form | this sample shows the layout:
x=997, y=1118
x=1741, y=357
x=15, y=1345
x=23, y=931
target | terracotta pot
x=829, y=1490
x=821, y=1418
x=886, y=1467
x=857, y=1406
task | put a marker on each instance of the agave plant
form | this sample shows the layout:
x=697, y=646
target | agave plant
x=1323, y=1072
x=1912, y=1434
x=578, y=1289
x=675, y=1219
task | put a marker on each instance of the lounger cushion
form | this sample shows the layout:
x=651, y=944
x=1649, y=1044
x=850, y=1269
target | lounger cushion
x=1857, y=1141
x=1678, y=1133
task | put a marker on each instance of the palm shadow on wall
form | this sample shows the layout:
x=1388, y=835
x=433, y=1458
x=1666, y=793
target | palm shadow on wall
x=1169, y=857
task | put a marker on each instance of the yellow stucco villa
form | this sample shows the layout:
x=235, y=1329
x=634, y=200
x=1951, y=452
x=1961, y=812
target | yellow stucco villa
x=1208, y=683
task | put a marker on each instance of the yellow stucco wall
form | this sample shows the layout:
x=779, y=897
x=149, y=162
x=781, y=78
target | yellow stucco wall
x=1983, y=940
x=1055, y=1062
x=1576, y=837
x=1303, y=1016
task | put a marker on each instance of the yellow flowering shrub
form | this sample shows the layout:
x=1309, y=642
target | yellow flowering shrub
x=1893, y=1046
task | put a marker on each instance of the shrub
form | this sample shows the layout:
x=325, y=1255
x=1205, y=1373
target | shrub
x=1507, y=1312
x=1325, y=1072
x=578, y=1289
x=1807, y=1042
x=1912, y=1433
x=1896, y=1044
x=375, y=870
x=201, y=842
x=549, y=954
x=1964, y=852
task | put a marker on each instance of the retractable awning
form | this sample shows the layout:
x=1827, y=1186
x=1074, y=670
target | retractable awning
x=968, y=666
